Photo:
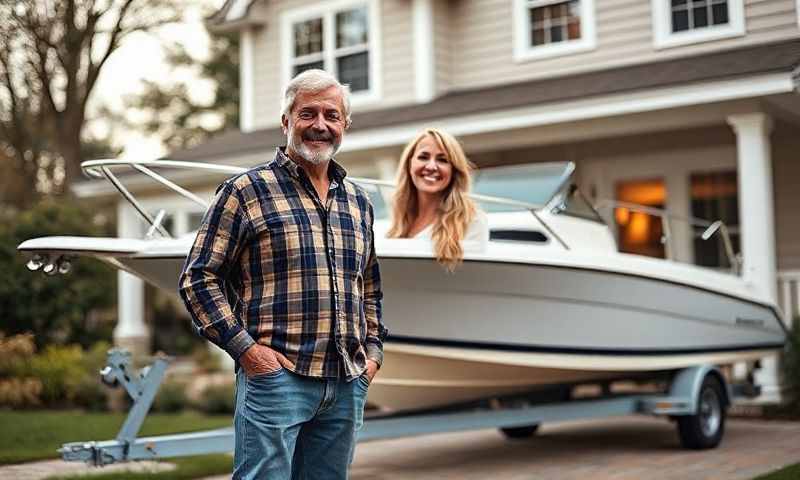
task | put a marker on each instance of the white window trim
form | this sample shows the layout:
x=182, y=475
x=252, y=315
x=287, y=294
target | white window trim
x=662, y=26
x=797, y=11
x=523, y=51
x=327, y=10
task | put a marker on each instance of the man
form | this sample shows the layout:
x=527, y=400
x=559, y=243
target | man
x=283, y=276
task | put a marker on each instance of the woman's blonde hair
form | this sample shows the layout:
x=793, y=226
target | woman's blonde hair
x=455, y=212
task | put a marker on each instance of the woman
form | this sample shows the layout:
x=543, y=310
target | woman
x=432, y=201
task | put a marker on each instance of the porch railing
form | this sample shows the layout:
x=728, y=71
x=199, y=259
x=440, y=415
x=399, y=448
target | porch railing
x=789, y=295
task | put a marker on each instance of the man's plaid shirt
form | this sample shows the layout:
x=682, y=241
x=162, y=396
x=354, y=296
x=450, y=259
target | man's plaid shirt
x=272, y=265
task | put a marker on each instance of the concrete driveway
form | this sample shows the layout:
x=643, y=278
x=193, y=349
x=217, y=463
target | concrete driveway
x=623, y=448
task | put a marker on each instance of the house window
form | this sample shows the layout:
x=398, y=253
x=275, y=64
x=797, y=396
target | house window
x=715, y=197
x=545, y=28
x=691, y=14
x=553, y=23
x=683, y=22
x=638, y=231
x=338, y=37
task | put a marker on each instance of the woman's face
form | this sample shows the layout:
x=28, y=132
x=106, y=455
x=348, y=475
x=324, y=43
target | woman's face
x=430, y=169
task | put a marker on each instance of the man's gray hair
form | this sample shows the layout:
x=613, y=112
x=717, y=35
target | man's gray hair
x=314, y=81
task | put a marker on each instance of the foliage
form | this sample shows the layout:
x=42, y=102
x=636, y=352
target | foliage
x=171, y=398
x=61, y=309
x=176, y=336
x=792, y=472
x=36, y=435
x=58, y=376
x=205, y=360
x=52, y=56
x=791, y=369
x=60, y=371
x=17, y=389
x=171, y=112
x=70, y=375
x=217, y=399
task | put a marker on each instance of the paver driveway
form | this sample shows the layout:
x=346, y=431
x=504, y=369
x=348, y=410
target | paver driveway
x=623, y=448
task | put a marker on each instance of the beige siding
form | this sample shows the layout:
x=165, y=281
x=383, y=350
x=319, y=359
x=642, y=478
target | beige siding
x=482, y=39
x=443, y=44
x=267, y=64
x=786, y=172
x=397, y=54
x=396, y=57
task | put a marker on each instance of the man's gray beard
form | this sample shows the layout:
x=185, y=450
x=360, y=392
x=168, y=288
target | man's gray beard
x=311, y=156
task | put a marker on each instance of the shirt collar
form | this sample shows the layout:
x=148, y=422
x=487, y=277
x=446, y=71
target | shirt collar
x=336, y=173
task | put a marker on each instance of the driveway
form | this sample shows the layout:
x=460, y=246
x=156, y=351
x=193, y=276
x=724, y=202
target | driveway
x=623, y=448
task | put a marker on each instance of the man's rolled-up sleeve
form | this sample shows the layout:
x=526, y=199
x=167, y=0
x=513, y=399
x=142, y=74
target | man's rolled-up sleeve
x=376, y=331
x=222, y=234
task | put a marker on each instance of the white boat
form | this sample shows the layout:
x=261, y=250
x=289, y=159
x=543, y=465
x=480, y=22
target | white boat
x=548, y=301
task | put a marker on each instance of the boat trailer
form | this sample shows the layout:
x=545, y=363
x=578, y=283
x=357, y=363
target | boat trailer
x=697, y=398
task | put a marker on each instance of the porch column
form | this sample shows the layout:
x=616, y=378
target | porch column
x=131, y=331
x=757, y=224
x=756, y=205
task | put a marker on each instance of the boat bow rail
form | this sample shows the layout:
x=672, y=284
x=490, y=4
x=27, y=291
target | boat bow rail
x=103, y=168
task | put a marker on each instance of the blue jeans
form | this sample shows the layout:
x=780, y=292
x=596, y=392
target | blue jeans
x=289, y=426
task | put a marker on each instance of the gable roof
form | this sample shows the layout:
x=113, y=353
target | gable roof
x=233, y=15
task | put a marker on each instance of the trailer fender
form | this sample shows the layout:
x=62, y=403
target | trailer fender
x=687, y=383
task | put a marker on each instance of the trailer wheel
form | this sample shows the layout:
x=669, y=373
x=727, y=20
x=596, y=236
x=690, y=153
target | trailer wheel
x=704, y=429
x=517, y=433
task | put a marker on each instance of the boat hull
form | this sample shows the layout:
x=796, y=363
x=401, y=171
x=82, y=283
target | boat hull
x=494, y=329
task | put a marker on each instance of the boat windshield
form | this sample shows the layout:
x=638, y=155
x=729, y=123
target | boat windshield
x=534, y=183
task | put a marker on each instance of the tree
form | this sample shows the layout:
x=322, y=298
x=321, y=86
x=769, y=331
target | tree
x=169, y=111
x=51, y=55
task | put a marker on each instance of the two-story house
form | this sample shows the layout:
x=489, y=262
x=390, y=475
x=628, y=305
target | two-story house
x=688, y=105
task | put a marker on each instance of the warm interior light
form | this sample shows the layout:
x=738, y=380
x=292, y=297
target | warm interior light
x=641, y=232
x=623, y=216
x=638, y=231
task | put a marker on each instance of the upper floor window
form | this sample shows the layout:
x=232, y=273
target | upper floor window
x=682, y=22
x=339, y=37
x=545, y=28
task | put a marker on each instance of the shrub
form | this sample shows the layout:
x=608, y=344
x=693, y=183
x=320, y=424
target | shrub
x=791, y=368
x=171, y=397
x=17, y=388
x=205, y=360
x=217, y=399
x=57, y=309
x=20, y=392
x=61, y=371
x=60, y=376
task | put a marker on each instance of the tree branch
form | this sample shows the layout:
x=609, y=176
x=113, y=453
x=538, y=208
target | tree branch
x=94, y=69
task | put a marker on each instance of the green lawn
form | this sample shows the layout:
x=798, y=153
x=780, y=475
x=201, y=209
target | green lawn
x=36, y=435
x=792, y=472
x=187, y=468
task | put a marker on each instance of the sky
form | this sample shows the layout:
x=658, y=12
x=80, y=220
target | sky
x=141, y=57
